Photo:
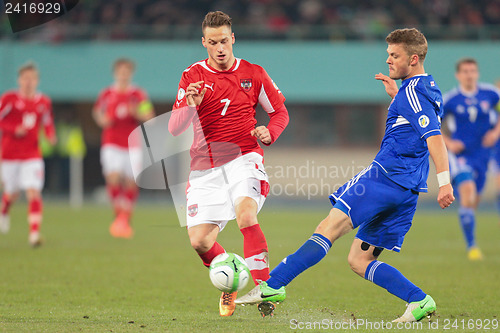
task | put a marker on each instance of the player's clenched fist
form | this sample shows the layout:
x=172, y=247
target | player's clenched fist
x=445, y=196
x=193, y=94
x=262, y=133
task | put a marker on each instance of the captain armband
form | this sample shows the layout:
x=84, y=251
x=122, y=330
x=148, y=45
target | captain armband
x=443, y=178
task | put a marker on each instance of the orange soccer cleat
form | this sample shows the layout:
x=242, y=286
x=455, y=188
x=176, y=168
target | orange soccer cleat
x=226, y=304
x=120, y=228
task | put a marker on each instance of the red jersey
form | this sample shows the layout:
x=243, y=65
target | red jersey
x=16, y=111
x=118, y=106
x=227, y=112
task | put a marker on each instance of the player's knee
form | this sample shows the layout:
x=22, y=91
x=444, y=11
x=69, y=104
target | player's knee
x=357, y=264
x=246, y=218
x=200, y=245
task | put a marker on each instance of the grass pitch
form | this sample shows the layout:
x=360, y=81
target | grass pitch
x=82, y=280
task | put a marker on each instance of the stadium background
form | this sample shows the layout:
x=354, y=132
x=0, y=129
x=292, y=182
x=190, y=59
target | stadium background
x=322, y=54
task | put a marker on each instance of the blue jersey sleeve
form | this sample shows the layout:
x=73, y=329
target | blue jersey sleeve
x=421, y=110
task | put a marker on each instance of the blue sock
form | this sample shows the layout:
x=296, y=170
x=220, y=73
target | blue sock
x=306, y=256
x=468, y=223
x=393, y=281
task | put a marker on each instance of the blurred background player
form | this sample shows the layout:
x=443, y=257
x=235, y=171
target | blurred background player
x=381, y=200
x=119, y=109
x=22, y=113
x=471, y=119
x=496, y=158
x=227, y=180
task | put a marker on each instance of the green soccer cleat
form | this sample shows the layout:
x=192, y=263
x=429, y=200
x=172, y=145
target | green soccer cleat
x=417, y=310
x=262, y=293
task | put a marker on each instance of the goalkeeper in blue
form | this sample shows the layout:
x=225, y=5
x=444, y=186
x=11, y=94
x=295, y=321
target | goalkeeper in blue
x=381, y=200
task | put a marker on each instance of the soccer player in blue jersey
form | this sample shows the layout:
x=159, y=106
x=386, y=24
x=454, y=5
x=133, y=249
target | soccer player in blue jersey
x=496, y=157
x=471, y=119
x=381, y=200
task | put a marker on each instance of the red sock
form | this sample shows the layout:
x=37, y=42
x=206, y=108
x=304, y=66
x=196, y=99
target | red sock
x=114, y=196
x=130, y=195
x=35, y=214
x=5, y=204
x=256, y=253
x=208, y=256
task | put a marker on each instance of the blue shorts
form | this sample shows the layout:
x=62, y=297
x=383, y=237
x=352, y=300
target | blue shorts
x=496, y=155
x=462, y=170
x=382, y=209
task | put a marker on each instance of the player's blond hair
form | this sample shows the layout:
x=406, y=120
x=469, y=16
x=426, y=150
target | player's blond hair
x=124, y=61
x=216, y=19
x=29, y=66
x=413, y=41
x=467, y=60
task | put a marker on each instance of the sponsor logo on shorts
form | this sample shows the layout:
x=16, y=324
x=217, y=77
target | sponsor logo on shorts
x=193, y=210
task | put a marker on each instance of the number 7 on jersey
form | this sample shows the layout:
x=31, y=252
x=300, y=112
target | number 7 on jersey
x=227, y=101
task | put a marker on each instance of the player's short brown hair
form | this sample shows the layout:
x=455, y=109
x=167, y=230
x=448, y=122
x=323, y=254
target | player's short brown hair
x=123, y=61
x=413, y=41
x=216, y=19
x=467, y=60
x=29, y=66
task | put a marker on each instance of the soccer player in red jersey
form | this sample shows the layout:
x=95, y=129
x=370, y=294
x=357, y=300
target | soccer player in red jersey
x=119, y=109
x=22, y=113
x=218, y=96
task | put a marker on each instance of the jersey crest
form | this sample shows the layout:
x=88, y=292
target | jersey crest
x=246, y=84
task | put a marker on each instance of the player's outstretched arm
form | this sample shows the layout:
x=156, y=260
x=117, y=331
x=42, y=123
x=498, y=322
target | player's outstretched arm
x=439, y=155
x=391, y=87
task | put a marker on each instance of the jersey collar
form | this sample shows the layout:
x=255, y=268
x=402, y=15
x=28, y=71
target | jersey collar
x=233, y=68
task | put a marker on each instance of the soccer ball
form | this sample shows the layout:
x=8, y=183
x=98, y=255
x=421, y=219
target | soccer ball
x=229, y=272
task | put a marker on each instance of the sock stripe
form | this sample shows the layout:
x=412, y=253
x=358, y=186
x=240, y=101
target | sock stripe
x=321, y=243
x=371, y=273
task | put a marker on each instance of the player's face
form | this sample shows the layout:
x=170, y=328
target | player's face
x=219, y=44
x=28, y=81
x=399, y=62
x=468, y=75
x=123, y=74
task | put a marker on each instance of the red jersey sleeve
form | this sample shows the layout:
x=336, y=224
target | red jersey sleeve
x=182, y=115
x=100, y=103
x=48, y=120
x=6, y=101
x=270, y=96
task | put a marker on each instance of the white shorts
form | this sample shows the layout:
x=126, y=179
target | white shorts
x=212, y=193
x=22, y=175
x=115, y=159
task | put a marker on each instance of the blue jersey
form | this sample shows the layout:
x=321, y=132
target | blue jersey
x=469, y=117
x=414, y=115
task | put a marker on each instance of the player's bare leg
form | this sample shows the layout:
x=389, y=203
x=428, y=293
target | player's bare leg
x=35, y=205
x=120, y=228
x=7, y=201
x=469, y=200
x=334, y=226
x=498, y=191
x=203, y=238
x=114, y=189
x=363, y=261
x=255, y=247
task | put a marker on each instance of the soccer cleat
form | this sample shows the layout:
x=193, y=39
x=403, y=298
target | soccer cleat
x=35, y=239
x=120, y=228
x=262, y=293
x=226, y=304
x=4, y=223
x=417, y=310
x=475, y=254
x=266, y=309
